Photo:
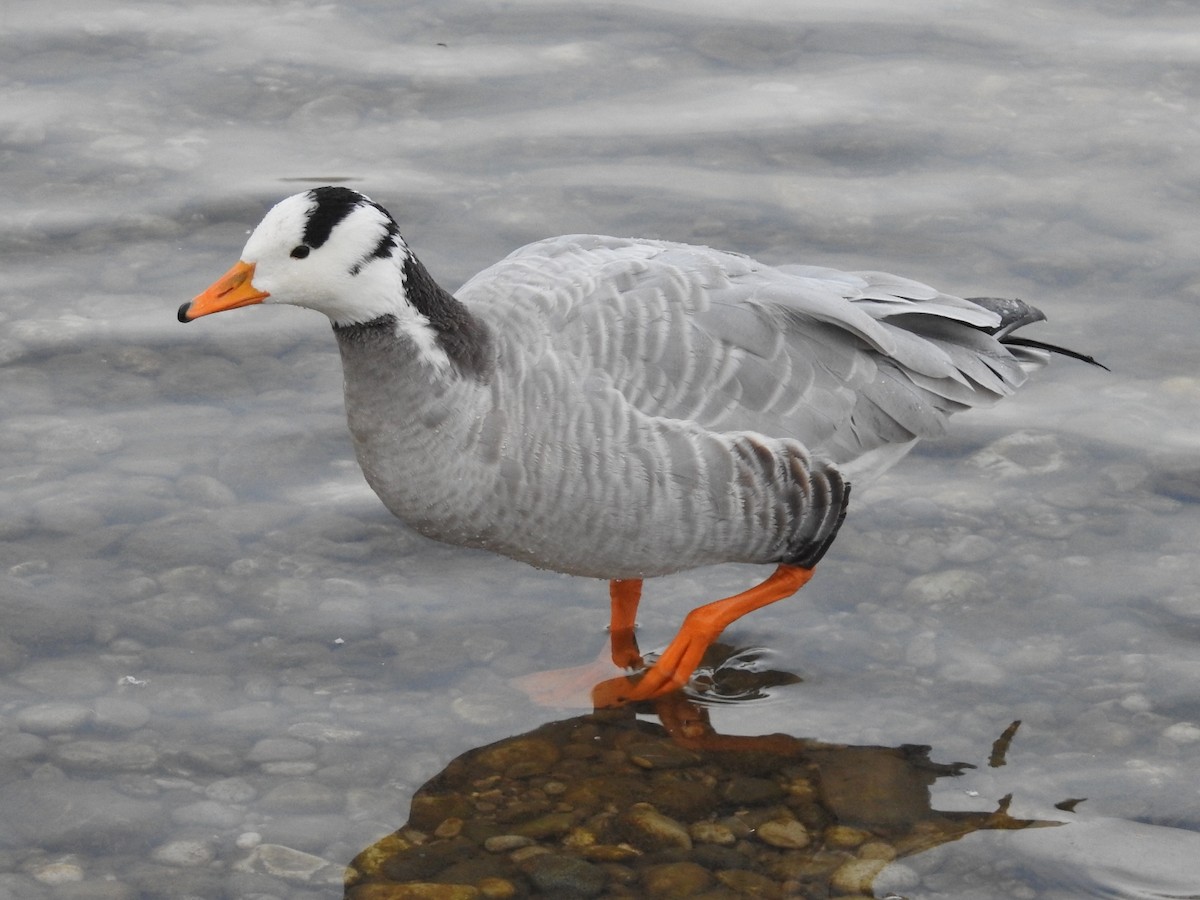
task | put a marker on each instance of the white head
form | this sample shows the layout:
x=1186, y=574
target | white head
x=330, y=249
x=336, y=251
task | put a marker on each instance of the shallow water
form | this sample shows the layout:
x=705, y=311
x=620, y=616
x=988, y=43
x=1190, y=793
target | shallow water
x=213, y=637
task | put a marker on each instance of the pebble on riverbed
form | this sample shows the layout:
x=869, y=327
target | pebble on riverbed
x=609, y=806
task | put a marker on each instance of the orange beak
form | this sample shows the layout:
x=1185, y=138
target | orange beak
x=231, y=290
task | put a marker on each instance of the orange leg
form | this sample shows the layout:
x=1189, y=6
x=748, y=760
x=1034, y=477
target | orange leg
x=700, y=628
x=625, y=594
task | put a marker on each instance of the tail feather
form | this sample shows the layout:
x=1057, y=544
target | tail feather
x=1016, y=314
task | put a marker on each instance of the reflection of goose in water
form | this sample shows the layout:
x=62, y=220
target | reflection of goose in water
x=610, y=805
x=627, y=408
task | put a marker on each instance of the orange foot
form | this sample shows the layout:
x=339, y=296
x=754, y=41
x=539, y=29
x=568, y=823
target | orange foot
x=700, y=628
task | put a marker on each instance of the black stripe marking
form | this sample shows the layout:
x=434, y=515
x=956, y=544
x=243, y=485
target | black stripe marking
x=333, y=205
x=387, y=241
x=386, y=245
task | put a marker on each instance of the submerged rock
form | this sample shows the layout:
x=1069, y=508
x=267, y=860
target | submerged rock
x=608, y=805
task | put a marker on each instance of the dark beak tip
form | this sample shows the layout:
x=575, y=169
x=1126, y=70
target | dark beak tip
x=182, y=315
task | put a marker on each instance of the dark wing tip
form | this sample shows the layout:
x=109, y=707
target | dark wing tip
x=1053, y=348
x=1016, y=314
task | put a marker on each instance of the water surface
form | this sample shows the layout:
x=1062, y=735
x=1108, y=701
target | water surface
x=215, y=639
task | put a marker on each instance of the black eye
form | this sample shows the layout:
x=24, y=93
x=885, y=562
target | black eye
x=300, y=251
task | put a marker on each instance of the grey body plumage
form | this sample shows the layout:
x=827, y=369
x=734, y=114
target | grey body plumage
x=625, y=408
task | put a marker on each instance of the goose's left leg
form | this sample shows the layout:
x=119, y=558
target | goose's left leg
x=625, y=594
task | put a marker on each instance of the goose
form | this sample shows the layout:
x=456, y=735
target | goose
x=623, y=408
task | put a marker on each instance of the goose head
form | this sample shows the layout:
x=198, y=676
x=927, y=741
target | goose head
x=331, y=249
x=335, y=250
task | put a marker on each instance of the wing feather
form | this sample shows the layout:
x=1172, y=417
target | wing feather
x=844, y=362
